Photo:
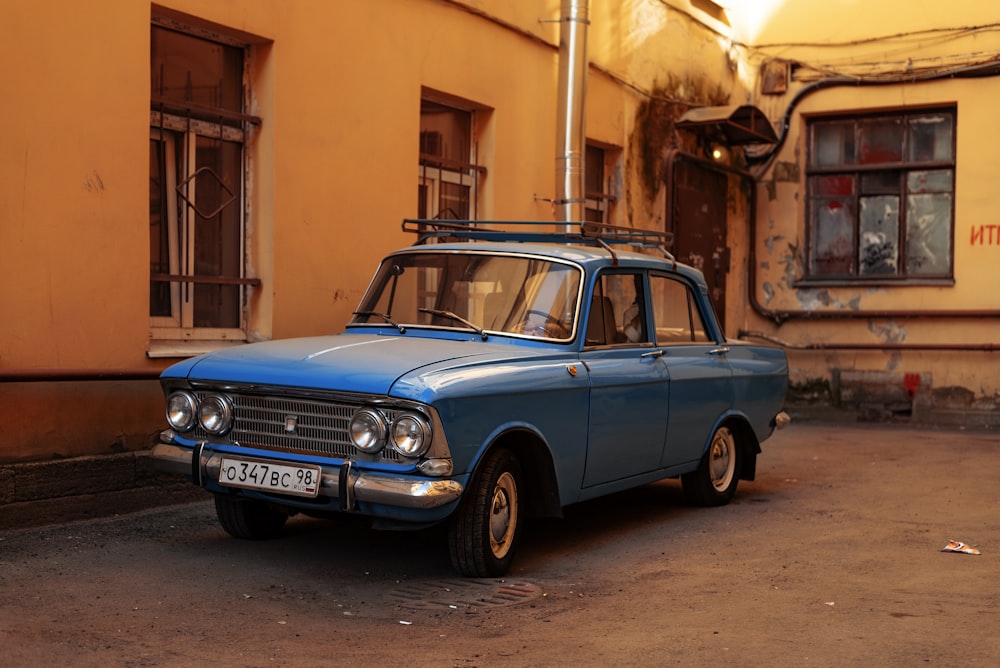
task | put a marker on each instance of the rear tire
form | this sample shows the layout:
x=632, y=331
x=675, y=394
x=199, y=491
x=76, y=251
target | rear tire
x=246, y=518
x=484, y=531
x=715, y=481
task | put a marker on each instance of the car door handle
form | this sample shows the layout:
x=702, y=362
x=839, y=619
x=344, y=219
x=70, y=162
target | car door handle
x=722, y=350
x=653, y=353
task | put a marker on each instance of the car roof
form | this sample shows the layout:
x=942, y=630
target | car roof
x=591, y=259
x=590, y=245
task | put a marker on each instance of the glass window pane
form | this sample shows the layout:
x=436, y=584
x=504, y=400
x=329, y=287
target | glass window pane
x=938, y=181
x=831, y=186
x=454, y=201
x=881, y=141
x=445, y=132
x=833, y=144
x=928, y=234
x=594, y=170
x=674, y=314
x=217, y=250
x=930, y=137
x=187, y=70
x=832, y=225
x=159, y=230
x=880, y=183
x=878, y=252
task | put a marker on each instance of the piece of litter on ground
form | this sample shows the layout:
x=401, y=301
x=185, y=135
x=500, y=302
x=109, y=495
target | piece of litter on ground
x=405, y=623
x=959, y=546
x=831, y=603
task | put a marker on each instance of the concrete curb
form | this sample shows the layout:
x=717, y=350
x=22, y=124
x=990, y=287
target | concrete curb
x=37, y=493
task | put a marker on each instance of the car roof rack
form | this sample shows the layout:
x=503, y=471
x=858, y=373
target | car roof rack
x=582, y=233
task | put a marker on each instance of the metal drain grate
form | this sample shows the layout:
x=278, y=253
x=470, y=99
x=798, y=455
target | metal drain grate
x=463, y=594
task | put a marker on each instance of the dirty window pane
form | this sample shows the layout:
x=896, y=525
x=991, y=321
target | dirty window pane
x=833, y=144
x=833, y=237
x=881, y=141
x=187, y=69
x=878, y=251
x=930, y=138
x=830, y=186
x=928, y=234
x=879, y=183
x=938, y=181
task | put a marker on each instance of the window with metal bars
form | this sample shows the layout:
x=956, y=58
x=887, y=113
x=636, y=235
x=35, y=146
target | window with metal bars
x=448, y=178
x=197, y=145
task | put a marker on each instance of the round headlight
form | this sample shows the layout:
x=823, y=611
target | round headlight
x=367, y=430
x=411, y=435
x=181, y=408
x=215, y=414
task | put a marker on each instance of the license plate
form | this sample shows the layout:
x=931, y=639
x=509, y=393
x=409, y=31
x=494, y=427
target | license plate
x=269, y=476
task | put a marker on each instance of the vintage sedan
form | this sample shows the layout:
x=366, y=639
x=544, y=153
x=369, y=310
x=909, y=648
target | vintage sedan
x=492, y=373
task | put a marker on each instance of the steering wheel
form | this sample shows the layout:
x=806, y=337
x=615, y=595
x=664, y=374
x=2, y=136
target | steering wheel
x=550, y=326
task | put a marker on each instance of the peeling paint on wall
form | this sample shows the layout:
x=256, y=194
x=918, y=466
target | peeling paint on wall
x=768, y=292
x=786, y=172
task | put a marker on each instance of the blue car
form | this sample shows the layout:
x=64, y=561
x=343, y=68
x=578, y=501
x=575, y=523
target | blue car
x=492, y=372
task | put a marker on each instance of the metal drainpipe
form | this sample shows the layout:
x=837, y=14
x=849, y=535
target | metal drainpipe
x=570, y=128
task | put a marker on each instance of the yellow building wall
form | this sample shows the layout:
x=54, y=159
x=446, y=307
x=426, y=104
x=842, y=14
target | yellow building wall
x=333, y=168
x=883, y=40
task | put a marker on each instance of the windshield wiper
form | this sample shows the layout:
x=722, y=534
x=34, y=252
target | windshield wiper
x=388, y=320
x=457, y=318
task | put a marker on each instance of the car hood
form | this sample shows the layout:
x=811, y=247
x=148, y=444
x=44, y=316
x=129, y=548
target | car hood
x=356, y=363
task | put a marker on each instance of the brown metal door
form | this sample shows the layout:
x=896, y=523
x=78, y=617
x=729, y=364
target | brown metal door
x=699, y=225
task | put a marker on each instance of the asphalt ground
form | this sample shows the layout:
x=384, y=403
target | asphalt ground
x=832, y=557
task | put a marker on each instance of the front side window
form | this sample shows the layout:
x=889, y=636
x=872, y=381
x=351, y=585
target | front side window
x=197, y=142
x=617, y=310
x=881, y=196
x=509, y=294
x=448, y=176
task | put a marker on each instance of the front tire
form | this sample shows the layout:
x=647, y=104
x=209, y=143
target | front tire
x=715, y=481
x=485, y=529
x=246, y=518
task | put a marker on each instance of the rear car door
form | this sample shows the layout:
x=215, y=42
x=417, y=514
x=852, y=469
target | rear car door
x=701, y=387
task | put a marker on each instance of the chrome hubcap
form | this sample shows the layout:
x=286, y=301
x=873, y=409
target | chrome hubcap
x=722, y=459
x=503, y=515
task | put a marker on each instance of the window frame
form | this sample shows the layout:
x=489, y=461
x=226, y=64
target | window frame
x=435, y=172
x=856, y=170
x=177, y=127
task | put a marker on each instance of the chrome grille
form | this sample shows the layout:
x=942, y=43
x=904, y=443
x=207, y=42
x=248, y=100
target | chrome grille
x=320, y=427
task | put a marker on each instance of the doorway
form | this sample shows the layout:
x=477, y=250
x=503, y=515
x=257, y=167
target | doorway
x=696, y=215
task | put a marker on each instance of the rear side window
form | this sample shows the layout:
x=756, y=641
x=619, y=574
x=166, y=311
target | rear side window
x=675, y=312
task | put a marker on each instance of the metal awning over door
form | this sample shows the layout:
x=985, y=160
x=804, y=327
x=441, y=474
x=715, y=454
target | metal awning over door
x=734, y=125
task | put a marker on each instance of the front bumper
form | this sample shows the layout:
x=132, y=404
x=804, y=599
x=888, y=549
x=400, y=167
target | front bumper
x=350, y=486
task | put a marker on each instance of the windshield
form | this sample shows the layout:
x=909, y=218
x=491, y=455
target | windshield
x=487, y=293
